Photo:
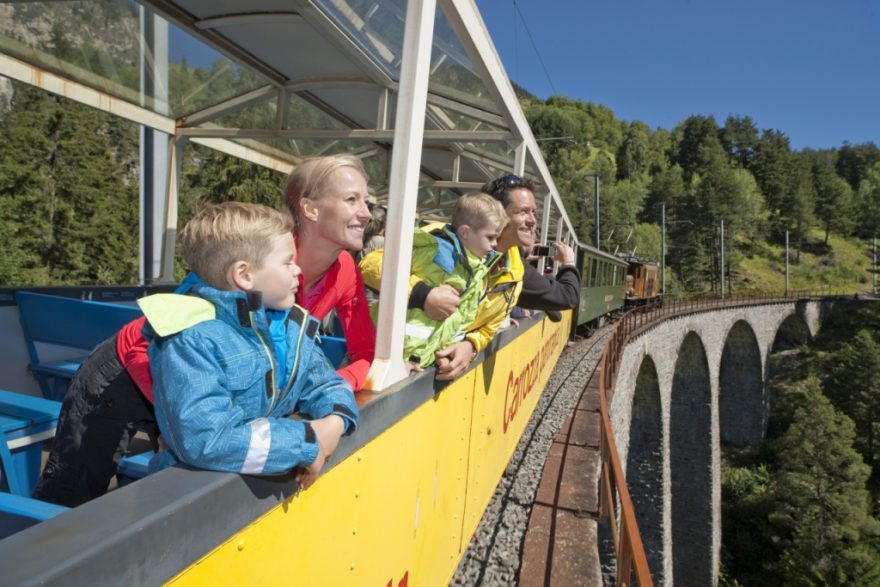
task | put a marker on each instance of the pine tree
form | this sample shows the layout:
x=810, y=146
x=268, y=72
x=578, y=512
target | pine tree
x=822, y=514
x=854, y=386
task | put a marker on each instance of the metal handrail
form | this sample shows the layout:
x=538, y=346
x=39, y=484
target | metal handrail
x=628, y=546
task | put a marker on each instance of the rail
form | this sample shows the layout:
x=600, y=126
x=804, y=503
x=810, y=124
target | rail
x=628, y=547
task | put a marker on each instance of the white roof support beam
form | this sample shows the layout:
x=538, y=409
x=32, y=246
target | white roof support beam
x=388, y=366
x=545, y=228
x=472, y=186
x=356, y=134
x=545, y=220
x=172, y=199
x=383, y=109
x=283, y=104
x=322, y=83
x=249, y=18
x=228, y=106
x=466, y=22
x=459, y=107
x=484, y=159
x=519, y=161
x=263, y=156
x=30, y=74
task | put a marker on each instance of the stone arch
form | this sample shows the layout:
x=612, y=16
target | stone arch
x=743, y=402
x=644, y=464
x=690, y=454
x=793, y=332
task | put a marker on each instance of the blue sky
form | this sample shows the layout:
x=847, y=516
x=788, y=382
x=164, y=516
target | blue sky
x=808, y=68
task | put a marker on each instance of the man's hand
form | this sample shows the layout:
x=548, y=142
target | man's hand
x=564, y=254
x=441, y=302
x=454, y=360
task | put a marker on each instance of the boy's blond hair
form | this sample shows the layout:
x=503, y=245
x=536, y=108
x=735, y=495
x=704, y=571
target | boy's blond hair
x=307, y=179
x=219, y=235
x=478, y=210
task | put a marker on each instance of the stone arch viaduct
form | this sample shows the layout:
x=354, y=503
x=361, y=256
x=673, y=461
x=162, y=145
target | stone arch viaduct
x=685, y=387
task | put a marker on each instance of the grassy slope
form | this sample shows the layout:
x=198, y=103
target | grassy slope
x=844, y=266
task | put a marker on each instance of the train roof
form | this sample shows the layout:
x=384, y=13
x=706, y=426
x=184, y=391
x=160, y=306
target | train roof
x=309, y=78
x=276, y=81
x=605, y=255
x=636, y=260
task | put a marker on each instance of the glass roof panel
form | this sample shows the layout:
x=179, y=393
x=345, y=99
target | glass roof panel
x=501, y=151
x=448, y=119
x=199, y=76
x=98, y=43
x=435, y=204
x=377, y=26
x=305, y=116
x=259, y=113
x=452, y=72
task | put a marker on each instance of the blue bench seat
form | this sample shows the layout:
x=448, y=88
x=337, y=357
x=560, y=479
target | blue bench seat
x=66, y=322
x=133, y=467
x=25, y=422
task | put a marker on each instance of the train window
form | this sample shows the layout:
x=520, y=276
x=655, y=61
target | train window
x=70, y=212
x=594, y=269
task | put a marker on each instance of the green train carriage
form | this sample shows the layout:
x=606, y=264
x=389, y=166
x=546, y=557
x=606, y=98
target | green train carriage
x=603, y=289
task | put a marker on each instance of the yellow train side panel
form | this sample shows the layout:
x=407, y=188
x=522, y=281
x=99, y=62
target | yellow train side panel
x=504, y=398
x=391, y=512
x=401, y=509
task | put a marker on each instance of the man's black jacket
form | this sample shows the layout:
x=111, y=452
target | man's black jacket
x=541, y=293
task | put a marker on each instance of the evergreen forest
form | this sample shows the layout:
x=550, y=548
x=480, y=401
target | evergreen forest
x=69, y=191
x=801, y=507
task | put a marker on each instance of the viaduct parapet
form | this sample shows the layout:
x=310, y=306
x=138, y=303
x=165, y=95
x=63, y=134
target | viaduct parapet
x=685, y=387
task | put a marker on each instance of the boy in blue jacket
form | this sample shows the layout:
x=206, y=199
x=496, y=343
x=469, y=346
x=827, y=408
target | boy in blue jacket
x=234, y=359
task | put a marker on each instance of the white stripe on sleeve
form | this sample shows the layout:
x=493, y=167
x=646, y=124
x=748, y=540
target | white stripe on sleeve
x=258, y=449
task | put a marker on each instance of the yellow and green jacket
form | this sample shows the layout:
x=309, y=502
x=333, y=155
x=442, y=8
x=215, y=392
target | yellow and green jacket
x=496, y=297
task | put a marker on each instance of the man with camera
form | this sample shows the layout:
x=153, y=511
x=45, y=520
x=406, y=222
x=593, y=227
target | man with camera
x=517, y=195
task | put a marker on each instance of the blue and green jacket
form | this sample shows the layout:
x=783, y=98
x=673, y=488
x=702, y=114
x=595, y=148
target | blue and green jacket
x=228, y=373
x=438, y=257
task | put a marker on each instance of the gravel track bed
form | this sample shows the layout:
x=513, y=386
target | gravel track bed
x=494, y=553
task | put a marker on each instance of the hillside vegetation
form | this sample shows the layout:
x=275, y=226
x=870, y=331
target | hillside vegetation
x=704, y=172
x=801, y=507
x=69, y=189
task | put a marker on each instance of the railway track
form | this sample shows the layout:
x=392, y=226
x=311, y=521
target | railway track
x=494, y=554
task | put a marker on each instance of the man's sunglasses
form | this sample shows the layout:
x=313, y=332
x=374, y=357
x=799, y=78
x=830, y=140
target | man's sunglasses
x=510, y=181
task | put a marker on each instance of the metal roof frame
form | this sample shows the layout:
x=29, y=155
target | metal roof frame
x=423, y=115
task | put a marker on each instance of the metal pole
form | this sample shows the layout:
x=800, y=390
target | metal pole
x=722, y=258
x=874, y=273
x=786, y=262
x=154, y=151
x=388, y=366
x=596, y=184
x=663, y=248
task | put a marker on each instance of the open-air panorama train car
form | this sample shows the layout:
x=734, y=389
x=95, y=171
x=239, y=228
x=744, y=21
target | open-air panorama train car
x=416, y=90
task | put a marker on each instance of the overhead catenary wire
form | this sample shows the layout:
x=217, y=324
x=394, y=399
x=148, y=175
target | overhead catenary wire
x=534, y=46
